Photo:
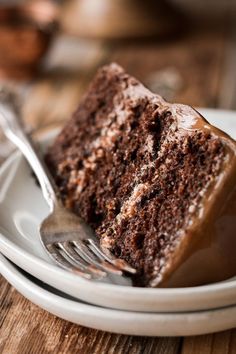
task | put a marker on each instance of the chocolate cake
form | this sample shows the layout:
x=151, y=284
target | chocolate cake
x=155, y=180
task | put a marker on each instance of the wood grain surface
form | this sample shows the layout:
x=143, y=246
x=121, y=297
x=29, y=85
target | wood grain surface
x=195, y=68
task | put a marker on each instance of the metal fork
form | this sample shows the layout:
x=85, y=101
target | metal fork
x=68, y=240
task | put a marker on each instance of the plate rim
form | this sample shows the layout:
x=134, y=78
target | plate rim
x=56, y=304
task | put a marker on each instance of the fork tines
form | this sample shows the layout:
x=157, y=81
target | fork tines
x=85, y=258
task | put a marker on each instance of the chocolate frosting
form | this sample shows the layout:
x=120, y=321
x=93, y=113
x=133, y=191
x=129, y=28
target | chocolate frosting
x=207, y=253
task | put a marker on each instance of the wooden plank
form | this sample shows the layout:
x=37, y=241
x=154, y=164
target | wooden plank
x=197, y=59
x=26, y=329
x=55, y=94
x=227, y=96
x=5, y=303
x=217, y=343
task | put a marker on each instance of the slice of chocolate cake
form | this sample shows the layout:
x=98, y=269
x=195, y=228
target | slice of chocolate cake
x=155, y=181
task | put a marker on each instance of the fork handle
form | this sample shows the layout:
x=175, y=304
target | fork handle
x=13, y=128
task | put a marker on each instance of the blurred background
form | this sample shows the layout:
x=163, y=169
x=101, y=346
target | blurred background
x=184, y=50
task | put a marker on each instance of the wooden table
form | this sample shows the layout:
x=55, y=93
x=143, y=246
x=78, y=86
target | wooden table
x=197, y=68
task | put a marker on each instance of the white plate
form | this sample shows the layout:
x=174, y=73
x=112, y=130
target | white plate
x=125, y=322
x=22, y=208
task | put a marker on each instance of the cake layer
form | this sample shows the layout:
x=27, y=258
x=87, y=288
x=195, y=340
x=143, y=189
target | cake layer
x=154, y=180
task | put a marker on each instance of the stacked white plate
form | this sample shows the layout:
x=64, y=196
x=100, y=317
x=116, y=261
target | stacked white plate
x=110, y=305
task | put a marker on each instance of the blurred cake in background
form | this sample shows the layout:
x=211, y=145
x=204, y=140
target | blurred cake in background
x=120, y=19
x=26, y=29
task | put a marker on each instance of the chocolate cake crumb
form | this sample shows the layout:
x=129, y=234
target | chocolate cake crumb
x=138, y=170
